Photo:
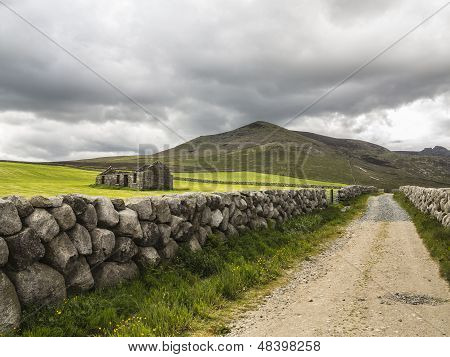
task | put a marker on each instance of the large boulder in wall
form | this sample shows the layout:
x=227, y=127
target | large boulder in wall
x=215, y=201
x=175, y=224
x=4, y=252
x=231, y=231
x=10, y=311
x=107, y=216
x=110, y=274
x=65, y=216
x=216, y=218
x=193, y=245
x=169, y=251
x=165, y=235
x=25, y=248
x=143, y=207
x=61, y=254
x=189, y=204
x=258, y=223
x=124, y=250
x=46, y=202
x=147, y=257
x=103, y=242
x=226, y=217
x=129, y=225
x=161, y=209
x=43, y=223
x=118, y=203
x=237, y=218
x=174, y=202
x=80, y=278
x=10, y=222
x=23, y=206
x=88, y=218
x=184, y=233
x=154, y=235
x=202, y=235
x=206, y=216
x=151, y=234
x=76, y=202
x=81, y=239
x=200, y=200
x=38, y=284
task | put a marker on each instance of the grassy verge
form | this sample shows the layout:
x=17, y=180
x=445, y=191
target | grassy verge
x=190, y=296
x=435, y=236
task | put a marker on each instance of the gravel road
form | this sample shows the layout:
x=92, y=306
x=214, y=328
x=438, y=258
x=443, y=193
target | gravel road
x=378, y=279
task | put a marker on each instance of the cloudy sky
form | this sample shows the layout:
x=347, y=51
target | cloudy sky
x=206, y=66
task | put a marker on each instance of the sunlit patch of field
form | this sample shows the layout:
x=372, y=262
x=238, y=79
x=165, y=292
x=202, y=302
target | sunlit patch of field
x=48, y=180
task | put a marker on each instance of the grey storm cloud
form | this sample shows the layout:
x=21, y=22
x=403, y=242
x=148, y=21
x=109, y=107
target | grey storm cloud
x=206, y=66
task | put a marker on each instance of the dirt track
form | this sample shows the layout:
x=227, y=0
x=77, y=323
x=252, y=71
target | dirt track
x=376, y=280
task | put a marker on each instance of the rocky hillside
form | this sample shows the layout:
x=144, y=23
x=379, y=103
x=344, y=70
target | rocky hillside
x=265, y=147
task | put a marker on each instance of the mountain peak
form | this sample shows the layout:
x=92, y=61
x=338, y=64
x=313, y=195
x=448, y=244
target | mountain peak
x=436, y=151
x=261, y=125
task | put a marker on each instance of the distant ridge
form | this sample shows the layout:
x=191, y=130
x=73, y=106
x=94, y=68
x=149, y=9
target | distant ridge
x=436, y=151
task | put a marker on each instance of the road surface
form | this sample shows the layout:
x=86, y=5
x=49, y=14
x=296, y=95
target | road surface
x=378, y=279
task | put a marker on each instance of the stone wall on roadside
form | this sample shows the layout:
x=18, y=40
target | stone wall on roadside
x=52, y=247
x=434, y=201
x=348, y=192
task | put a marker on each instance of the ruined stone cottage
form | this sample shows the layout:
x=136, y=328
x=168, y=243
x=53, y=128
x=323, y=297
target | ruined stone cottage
x=156, y=176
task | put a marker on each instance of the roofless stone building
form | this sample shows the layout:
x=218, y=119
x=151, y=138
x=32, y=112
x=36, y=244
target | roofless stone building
x=156, y=176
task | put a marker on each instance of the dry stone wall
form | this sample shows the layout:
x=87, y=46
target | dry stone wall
x=253, y=183
x=348, y=192
x=434, y=201
x=54, y=246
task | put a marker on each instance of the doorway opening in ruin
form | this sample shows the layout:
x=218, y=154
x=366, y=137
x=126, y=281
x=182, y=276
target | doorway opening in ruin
x=125, y=180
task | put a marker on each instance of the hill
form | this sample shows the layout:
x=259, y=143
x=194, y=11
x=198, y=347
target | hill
x=268, y=148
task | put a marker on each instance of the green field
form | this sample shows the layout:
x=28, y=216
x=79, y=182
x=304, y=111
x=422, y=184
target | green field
x=48, y=180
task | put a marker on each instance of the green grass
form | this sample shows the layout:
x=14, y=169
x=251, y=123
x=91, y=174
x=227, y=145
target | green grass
x=48, y=180
x=435, y=236
x=190, y=296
